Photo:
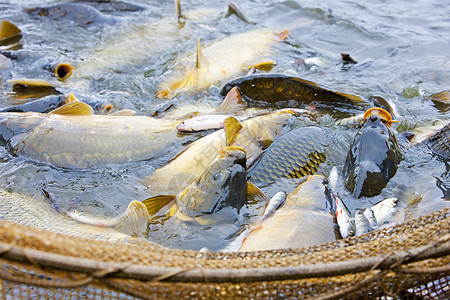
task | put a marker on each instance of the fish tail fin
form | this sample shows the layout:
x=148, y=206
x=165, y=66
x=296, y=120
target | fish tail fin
x=154, y=204
x=134, y=220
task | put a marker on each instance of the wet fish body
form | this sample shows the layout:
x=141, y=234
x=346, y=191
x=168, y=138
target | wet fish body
x=362, y=225
x=439, y=143
x=203, y=122
x=384, y=210
x=35, y=212
x=306, y=219
x=281, y=90
x=373, y=158
x=83, y=141
x=213, y=63
x=295, y=154
x=344, y=218
x=42, y=105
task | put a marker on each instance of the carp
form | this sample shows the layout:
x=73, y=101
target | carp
x=262, y=90
x=253, y=135
x=373, y=157
x=439, y=143
x=295, y=154
x=306, y=219
x=37, y=212
x=72, y=137
x=219, y=61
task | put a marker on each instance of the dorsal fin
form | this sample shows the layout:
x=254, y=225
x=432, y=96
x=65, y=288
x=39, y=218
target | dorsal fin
x=255, y=195
x=232, y=127
x=74, y=108
x=154, y=204
x=30, y=82
x=233, y=102
x=202, y=61
x=178, y=8
x=8, y=29
x=70, y=98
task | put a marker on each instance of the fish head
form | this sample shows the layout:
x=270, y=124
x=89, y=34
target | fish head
x=313, y=193
x=374, y=156
x=223, y=184
x=186, y=125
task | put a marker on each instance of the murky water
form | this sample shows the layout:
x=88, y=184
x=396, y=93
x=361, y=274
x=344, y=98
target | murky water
x=401, y=48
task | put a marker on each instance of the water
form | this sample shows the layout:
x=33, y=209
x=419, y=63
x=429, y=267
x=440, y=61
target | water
x=401, y=48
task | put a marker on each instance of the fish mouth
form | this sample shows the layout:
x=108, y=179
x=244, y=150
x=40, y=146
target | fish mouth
x=383, y=114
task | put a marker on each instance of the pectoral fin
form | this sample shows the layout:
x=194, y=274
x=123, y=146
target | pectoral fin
x=265, y=66
x=232, y=127
x=74, y=108
x=255, y=195
x=154, y=204
x=31, y=82
x=134, y=220
x=202, y=61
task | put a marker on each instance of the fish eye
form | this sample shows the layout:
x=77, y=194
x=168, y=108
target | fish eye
x=218, y=177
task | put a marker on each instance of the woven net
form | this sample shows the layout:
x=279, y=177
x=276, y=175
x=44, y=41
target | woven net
x=407, y=261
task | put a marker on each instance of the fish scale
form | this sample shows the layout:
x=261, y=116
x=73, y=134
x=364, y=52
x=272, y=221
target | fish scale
x=294, y=155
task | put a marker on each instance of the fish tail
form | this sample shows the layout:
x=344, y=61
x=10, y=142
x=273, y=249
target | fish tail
x=134, y=220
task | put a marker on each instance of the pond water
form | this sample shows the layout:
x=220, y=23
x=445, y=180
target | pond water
x=401, y=49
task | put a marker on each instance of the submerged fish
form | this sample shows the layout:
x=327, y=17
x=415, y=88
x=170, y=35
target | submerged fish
x=295, y=154
x=374, y=156
x=287, y=91
x=219, y=61
x=43, y=105
x=77, y=13
x=36, y=212
x=251, y=135
x=306, y=219
x=72, y=137
x=344, y=218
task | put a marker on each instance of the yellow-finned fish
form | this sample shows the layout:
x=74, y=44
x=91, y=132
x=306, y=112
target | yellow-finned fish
x=72, y=137
x=306, y=219
x=36, y=212
x=219, y=61
x=192, y=162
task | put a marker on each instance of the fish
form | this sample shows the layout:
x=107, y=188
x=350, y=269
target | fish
x=32, y=88
x=295, y=154
x=373, y=157
x=222, y=184
x=385, y=210
x=252, y=135
x=132, y=44
x=43, y=105
x=37, y=212
x=204, y=122
x=441, y=100
x=76, y=13
x=219, y=61
x=362, y=225
x=306, y=219
x=439, y=143
x=72, y=137
x=279, y=90
x=344, y=218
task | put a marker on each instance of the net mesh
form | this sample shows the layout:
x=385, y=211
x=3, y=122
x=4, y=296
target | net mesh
x=407, y=261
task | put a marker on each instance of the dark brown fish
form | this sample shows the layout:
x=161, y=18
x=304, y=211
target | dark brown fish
x=439, y=143
x=77, y=13
x=262, y=90
x=374, y=156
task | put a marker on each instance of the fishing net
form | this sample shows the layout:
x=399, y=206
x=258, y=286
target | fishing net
x=407, y=261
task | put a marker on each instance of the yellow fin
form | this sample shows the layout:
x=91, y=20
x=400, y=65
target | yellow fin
x=202, y=61
x=70, y=98
x=74, y=108
x=30, y=82
x=265, y=66
x=232, y=102
x=255, y=195
x=178, y=8
x=8, y=29
x=123, y=112
x=283, y=34
x=154, y=204
x=134, y=221
x=232, y=127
